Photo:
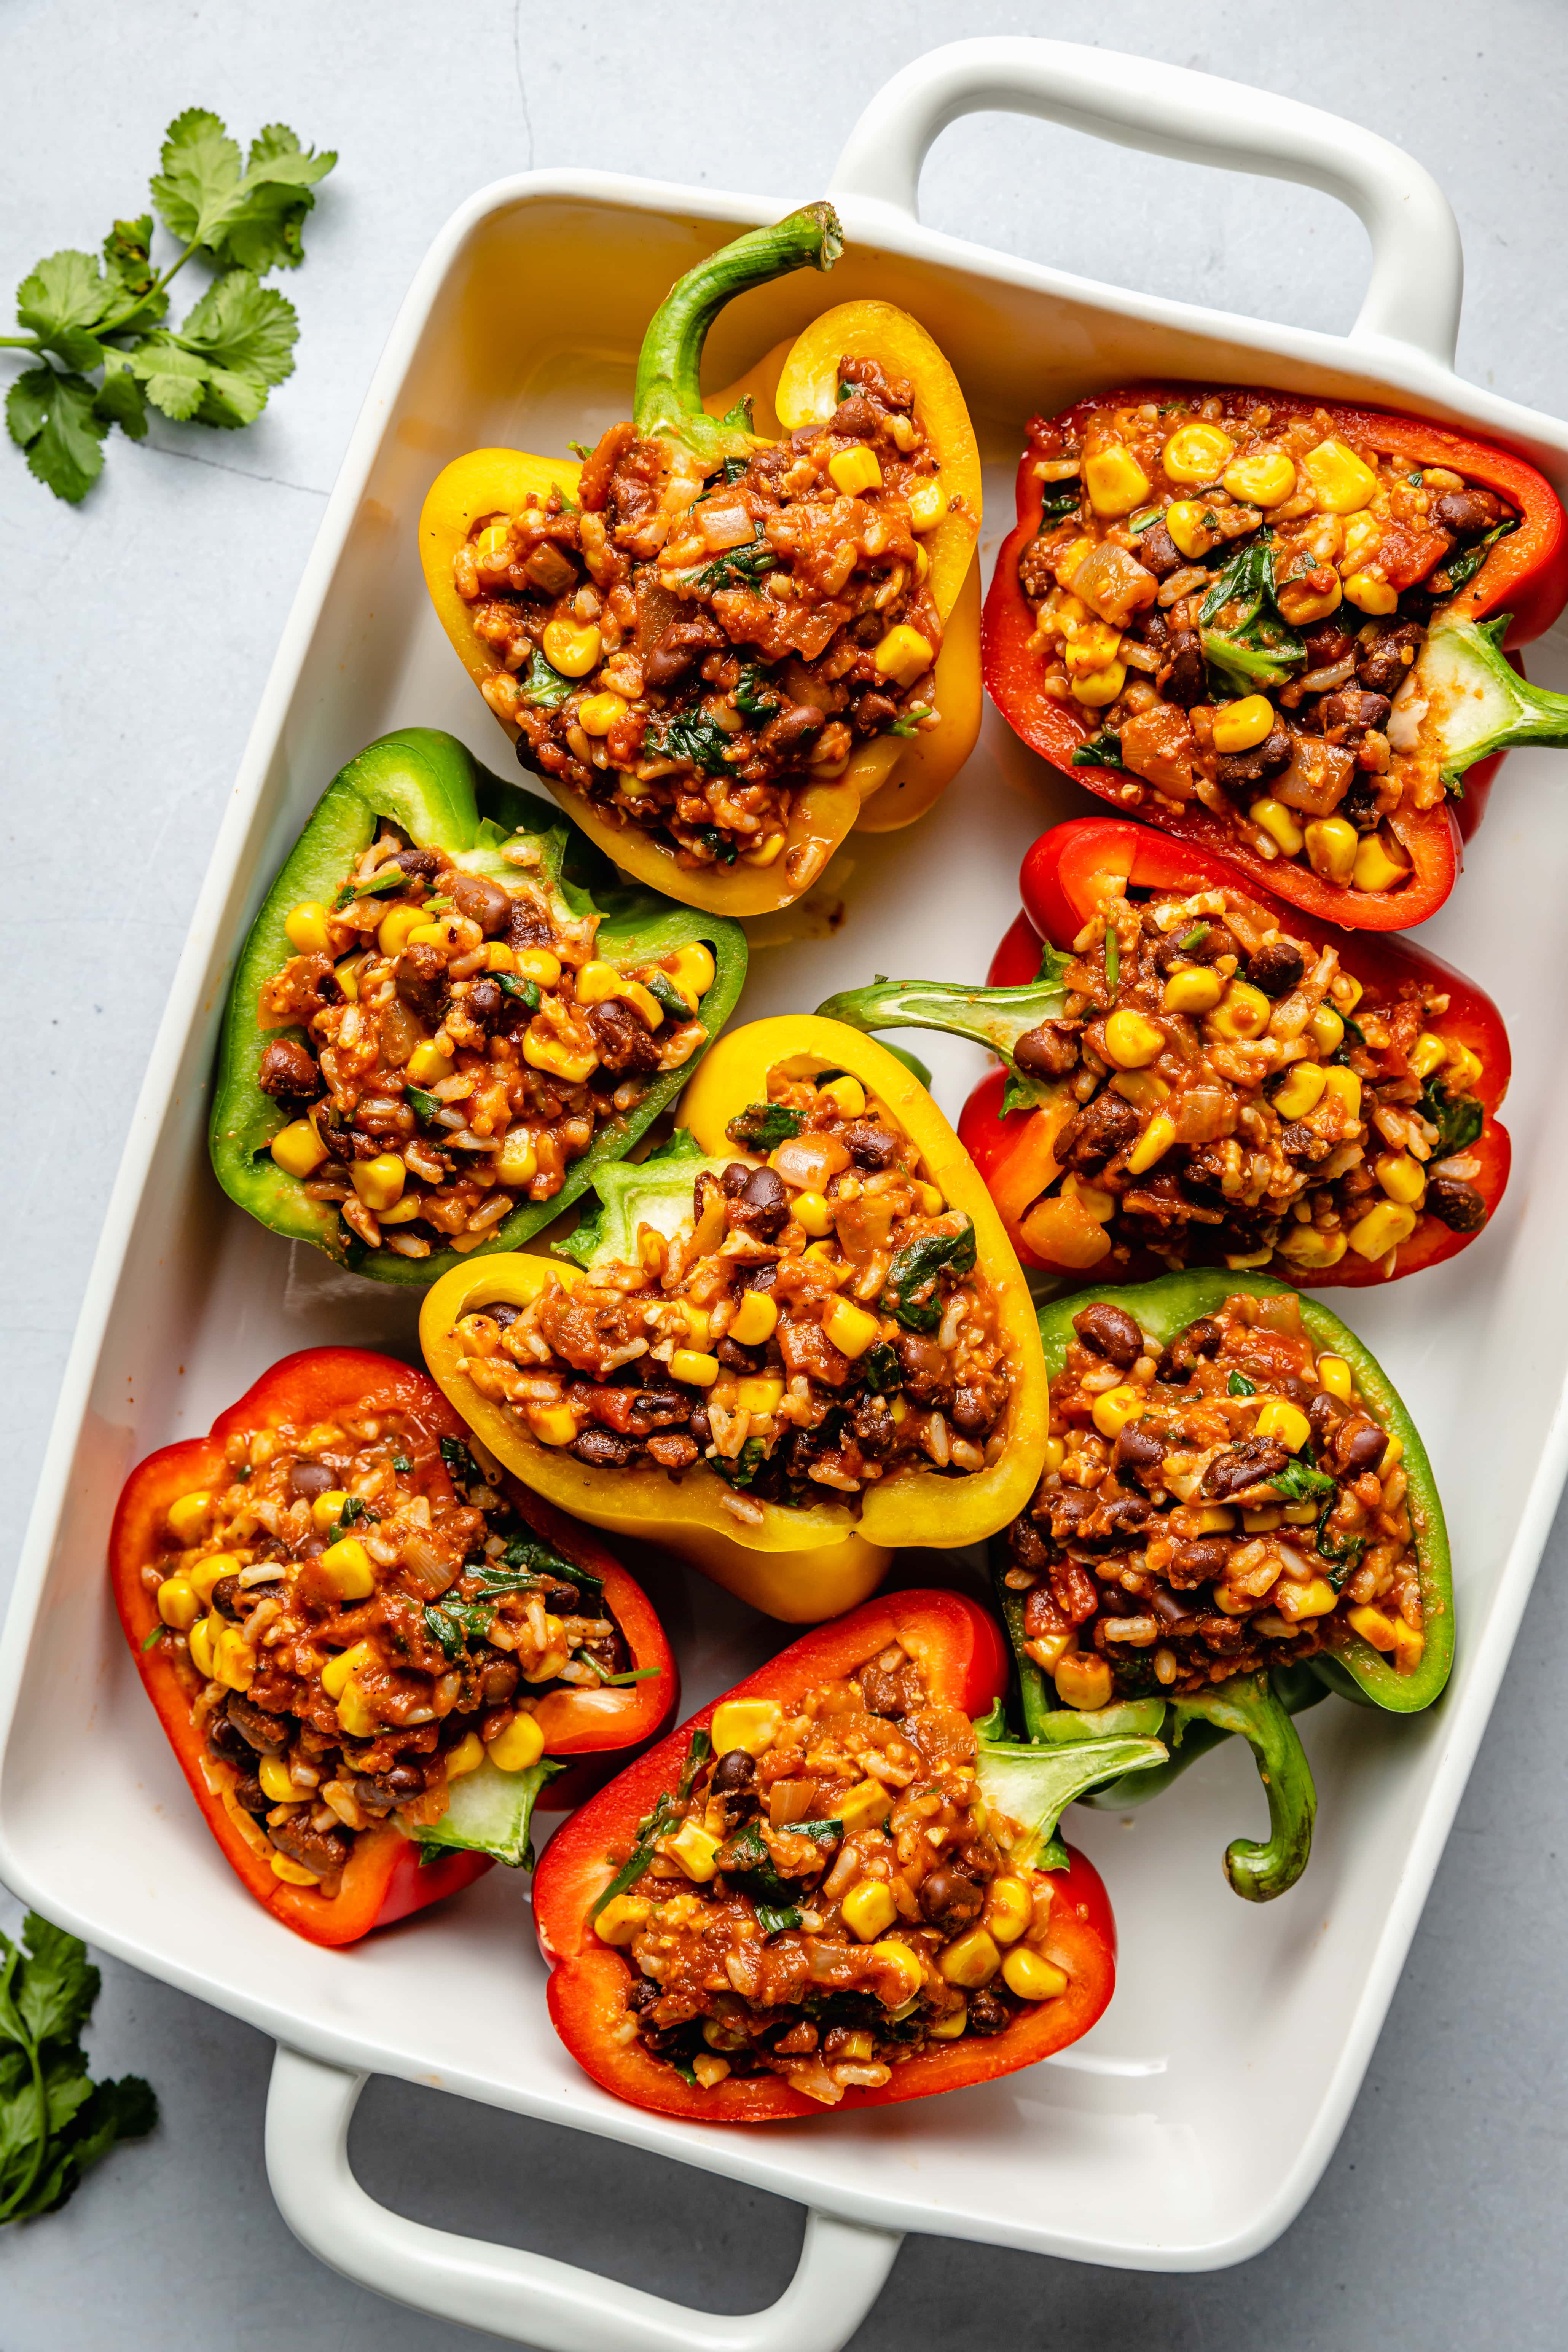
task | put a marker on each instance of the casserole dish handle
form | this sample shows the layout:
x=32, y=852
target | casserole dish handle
x=527, y=2298
x=1417, y=265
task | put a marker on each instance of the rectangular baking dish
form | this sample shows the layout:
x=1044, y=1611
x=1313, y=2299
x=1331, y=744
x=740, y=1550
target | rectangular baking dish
x=1186, y=2132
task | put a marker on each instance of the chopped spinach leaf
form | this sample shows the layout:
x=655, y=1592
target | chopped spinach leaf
x=737, y=567
x=525, y=991
x=667, y=996
x=756, y=696
x=911, y=1294
x=1101, y=751
x=453, y=1624
x=1058, y=499
x=1258, y=647
x=696, y=737
x=1457, y=1117
x=457, y=1462
x=354, y=1510
x=1464, y=568
x=545, y=685
x=761, y=1127
x=423, y=1104
x=771, y=1920
x=742, y=1469
x=1343, y=1557
x=709, y=838
x=1300, y=1483
x=1240, y=1386
x=400, y=1462
x=696, y=1755
x=879, y=1367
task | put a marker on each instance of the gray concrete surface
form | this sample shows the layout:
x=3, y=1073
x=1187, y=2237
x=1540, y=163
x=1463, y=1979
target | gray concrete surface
x=135, y=638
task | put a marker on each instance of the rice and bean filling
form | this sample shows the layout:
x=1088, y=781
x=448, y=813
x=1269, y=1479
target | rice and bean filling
x=1240, y=597
x=361, y=1618
x=1223, y=1503
x=818, y=1323
x=827, y=1896
x=463, y=1044
x=687, y=650
x=1240, y=1097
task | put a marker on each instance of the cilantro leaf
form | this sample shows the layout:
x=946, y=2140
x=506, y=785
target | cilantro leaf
x=59, y=301
x=247, y=218
x=52, y=416
x=121, y=399
x=761, y=1127
x=911, y=1294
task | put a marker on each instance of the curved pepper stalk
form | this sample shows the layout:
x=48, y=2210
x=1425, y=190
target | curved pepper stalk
x=1482, y=704
x=993, y=1017
x=667, y=403
x=425, y=782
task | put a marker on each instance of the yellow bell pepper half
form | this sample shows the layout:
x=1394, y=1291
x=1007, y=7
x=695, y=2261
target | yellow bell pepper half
x=799, y=1564
x=888, y=781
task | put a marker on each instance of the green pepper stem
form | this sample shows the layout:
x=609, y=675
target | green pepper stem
x=669, y=399
x=994, y=1017
x=1249, y=1706
x=1479, y=702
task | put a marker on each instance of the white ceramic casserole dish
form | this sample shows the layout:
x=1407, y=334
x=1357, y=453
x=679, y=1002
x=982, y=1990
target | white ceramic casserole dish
x=1188, y=2130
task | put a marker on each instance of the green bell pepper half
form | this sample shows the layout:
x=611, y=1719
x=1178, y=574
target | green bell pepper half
x=428, y=784
x=1257, y=1707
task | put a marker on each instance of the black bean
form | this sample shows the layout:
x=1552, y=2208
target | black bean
x=1456, y=1204
x=483, y=901
x=1246, y=1464
x=950, y=1899
x=1047, y=1052
x=1109, y=1331
x=309, y=1478
x=1203, y=1562
x=601, y=1449
x=735, y=1769
x=1276, y=967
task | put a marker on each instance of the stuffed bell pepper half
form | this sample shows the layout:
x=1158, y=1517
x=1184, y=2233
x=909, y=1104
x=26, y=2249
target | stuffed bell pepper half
x=790, y=1341
x=1274, y=627
x=370, y=1650
x=1194, y=1072
x=811, y=1898
x=735, y=622
x=450, y=1015
x=1236, y=1517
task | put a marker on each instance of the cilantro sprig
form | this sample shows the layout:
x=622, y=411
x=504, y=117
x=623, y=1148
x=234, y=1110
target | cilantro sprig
x=55, y=2121
x=105, y=314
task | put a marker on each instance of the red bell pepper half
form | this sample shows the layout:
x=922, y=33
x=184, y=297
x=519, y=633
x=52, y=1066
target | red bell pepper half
x=1518, y=593
x=386, y=1877
x=964, y=1661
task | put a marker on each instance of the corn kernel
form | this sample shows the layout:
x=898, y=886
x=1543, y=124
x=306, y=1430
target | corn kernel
x=1310, y=1248
x=1190, y=534
x=516, y=1163
x=1009, y=1907
x=766, y=851
x=552, y=1424
x=1409, y=1641
x=1382, y=1229
x=927, y=505
x=1402, y=1178
x=292, y=1872
x=623, y=1918
x=379, y=1182
x=1096, y=687
x=597, y=713
x=1427, y=1054
x=1277, y=1417
x=335, y=1673
x=543, y=1050
x=1348, y=993
x=570, y=650
x=1115, y=1407
x=696, y=1324
x=541, y=966
x=1197, y=453
x=305, y=927
x=902, y=654
x=347, y=1567
x=328, y=1508
x=692, y=1365
x=427, y=1065
x=850, y=1329
x=1341, y=482
x=694, y=968
x=1295, y=1601
x=694, y=1849
x=1144, y=1090
x=298, y=1150
x=391, y=932
x=1056, y=1454
x=951, y=2027
x=1374, y=869
x=1116, y=482
x=848, y=1094
x=752, y=1724
x=1082, y=1681
x=1032, y=1977
x=1101, y=1206
x=1131, y=1042
x=467, y=1757
x=760, y=1397
x=1094, y=646
x=867, y=1805
x=1240, y=725
x=1373, y=1626
x=1193, y=988
x=598, y=983
x=1153, y=1144
x=200, y=1638
x=1261, y=1522
x=190, y=1515
x=520, y=1744
x=211, y=1572
x=868, y=1908
x=232, y=1661
x=971, y=1963
x=1300, y=1090
x=755, y=1319
x=910, y=1974
x=1343, y=1087
x=177, y=1603
x=439, y=934
x=1332, y=846
x=1326, y=1030
x=1368, y=593
x=1363, y=537
x=855, y=470
x=1245, y=1012
x=277, y=1781
x=1265, y=478
x=1272, y=817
